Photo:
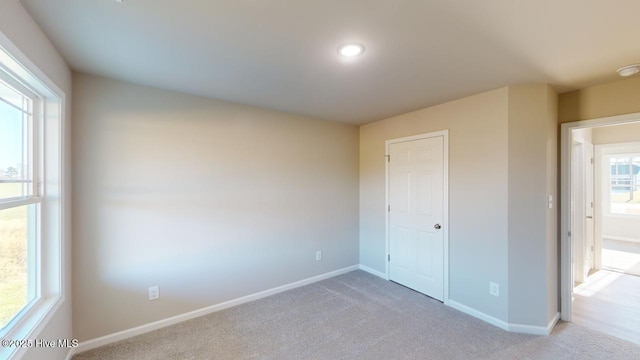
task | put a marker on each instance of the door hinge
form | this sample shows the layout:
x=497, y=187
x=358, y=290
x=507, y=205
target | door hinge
x=389, y=208
x=569, y=234
x=592, y=204
x=592, y=161
x=388, y=257
x=388, y=158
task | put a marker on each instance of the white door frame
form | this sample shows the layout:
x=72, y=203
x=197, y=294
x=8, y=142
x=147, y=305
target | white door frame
x=590, y=202
x=580, y=228
x=597, y=209
x=445, y=221
x=578, y=222
x=566, y=248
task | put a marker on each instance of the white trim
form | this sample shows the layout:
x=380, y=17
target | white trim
x=620, y=238
x=373, y=272
x=445, y=213
x=125, y=334
x=597, y=207
x=387, y=250
x=70, y=354
x=26, y=68
x=535, y=330
x=479, y=315
x=4, y=205
x=516, y=328
x=552, y=324
x=566, y=273
x=566, y=284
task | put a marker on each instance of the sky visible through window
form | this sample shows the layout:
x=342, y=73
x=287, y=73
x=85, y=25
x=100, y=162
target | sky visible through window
x=10, y=136
x=15, y=133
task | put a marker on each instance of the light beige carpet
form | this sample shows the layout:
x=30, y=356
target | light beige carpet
x=356, y=316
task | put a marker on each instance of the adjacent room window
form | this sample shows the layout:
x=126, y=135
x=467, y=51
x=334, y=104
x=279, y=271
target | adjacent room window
x=19, y=199
x=624, y=184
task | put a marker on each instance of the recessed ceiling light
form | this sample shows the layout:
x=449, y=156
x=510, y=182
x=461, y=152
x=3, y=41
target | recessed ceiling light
x=350, y=50
x=629, y=70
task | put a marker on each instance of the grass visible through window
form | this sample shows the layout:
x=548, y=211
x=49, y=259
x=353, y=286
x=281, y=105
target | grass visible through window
x=13, y=261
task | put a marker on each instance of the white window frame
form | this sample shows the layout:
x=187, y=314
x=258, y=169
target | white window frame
x=604, y=152
x=49, y=193
x=33, y=199
x=36, y=122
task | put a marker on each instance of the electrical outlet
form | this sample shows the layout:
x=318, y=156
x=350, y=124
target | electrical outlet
x=154, y=292
x=318, y=255
x=494, y=289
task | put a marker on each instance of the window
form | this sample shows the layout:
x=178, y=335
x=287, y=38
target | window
x=32, y=199
x=19, y=199
x=624, y=184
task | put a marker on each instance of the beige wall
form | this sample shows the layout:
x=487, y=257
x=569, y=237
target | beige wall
x=502, y=166
x=553, y=215
x=616, y=98
x=207, y=199
x=533, y=276
x=22, y=31
x=617, y=134
x=478, y=200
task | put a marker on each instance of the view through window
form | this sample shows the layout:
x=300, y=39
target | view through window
x=19, y=200
x=625, y=184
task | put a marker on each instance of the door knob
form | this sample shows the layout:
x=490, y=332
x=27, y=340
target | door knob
x=437, y=226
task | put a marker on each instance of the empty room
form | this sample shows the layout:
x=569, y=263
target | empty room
x=218, y=179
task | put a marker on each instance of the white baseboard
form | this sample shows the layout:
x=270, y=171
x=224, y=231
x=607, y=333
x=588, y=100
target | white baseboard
x=70, y=354
x=536, y=330
x=372, y=271
x=479, y=315
x=125, y=334
x=554, y=321
x=620, y=238
x=517, y=328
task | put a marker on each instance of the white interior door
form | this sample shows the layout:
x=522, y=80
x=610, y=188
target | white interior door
x=416, y=214
x=589, y=262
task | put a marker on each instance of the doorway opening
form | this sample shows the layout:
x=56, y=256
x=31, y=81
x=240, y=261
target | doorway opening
x=619, y=190
x=600, y=224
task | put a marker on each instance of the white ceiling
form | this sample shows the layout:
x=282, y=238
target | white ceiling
x=281, y=54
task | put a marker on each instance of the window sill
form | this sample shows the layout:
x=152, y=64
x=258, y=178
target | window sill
x=29, y=326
